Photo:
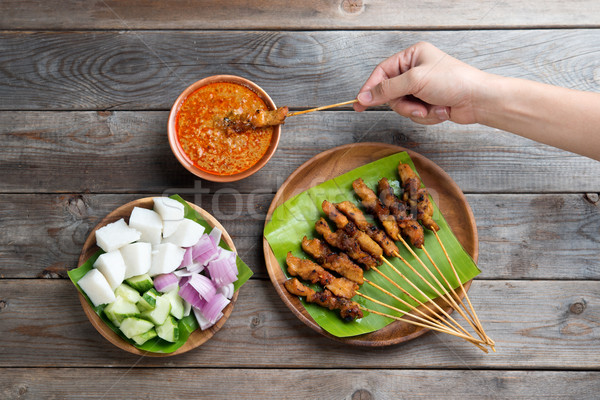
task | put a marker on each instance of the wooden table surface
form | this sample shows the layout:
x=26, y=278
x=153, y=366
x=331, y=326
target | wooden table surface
x=85, y=90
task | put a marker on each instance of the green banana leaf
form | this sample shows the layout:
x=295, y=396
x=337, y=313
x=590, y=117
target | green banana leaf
x=188, y=324
x=295, y=219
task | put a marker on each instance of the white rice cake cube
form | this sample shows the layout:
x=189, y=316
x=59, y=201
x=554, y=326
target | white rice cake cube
x=116, y=235
x=137, y=257
x=166, y=258
x=96, y=287
x=187, y=234
x=171, y=212
x=148, y=223
x=112, y=266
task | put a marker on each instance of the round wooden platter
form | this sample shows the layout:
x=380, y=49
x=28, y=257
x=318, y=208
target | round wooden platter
x=339, y=160
x=197, y=337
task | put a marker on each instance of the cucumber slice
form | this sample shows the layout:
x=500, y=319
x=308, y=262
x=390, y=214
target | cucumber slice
x=177, y=308
x=133, y=326
x=127, y=292
x=158, y=314
x=120, y=309
x=141, y=283
x=169, y=331
x=144, y=337
x=148, y=300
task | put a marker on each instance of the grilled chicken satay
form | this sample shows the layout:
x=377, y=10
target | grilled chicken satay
x=332, y=261
x=344, y=242
x=349, y=310
x=374, y=206
x=363, y=240
x=355, y=215
x=407, y=223
x=314, y=273
x=417, y=197
x=261, y=118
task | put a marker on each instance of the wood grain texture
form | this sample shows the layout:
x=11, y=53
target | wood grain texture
x=354, y=384
x=520, y=236
x=147, y=70
x=535, y=324
x=337, y=14
x=126, y=152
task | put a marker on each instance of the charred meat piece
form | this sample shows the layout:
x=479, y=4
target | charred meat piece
x=407, y=223
x=363, y=240
x=332, y=261
x=417, y=197
x=314, y=273
x=355, y=215
x=374, y=206
x=261, y=118
x=349, y=310
x=344, y=242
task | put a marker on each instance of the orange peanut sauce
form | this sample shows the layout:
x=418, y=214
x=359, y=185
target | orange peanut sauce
x=204, y=139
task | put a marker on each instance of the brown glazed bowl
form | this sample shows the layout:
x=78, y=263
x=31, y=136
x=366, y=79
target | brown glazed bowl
x=176, y=146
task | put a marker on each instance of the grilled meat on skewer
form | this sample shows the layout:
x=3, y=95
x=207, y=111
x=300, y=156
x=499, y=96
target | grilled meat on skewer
x=332, y=261
x=374, y=206
x=314, y=273
x=260, y=119
x=349, y=310
x=355, y=215
x=344, y=242
x=416, y=196
x=363, y=240
x=407, y=223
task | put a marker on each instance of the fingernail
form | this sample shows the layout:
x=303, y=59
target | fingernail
x=365, y=97
x=442, y=113
x=417, y=114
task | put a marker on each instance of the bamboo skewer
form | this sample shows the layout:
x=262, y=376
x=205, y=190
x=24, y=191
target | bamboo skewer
x=457, y=334
x=432, y=319
x=429, y=299
x=322, y=108
x=476, y=318
x=429, y=325
x=449, y=300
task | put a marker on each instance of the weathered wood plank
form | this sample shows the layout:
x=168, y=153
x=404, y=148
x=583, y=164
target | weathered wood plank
x=147, y=70
x=520, y=236
x=119, y=383
x=339, y=14
x=536, y=325
x=128, y=152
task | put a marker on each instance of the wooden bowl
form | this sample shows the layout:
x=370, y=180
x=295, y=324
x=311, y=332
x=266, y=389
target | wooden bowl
x=197, y=337
x=339, y=160
x=178, y=150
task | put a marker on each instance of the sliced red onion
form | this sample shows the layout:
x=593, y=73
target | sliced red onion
x=215, y=235
x=166, y=282
x=187, y=258
x=184, y=279
x=202, y=321
x=195, y=267
x=180, y=273
x=203, y=286
x=212, y=310
x=226, y=290
x=222, y=271
x=190, y=294
x=204, y=245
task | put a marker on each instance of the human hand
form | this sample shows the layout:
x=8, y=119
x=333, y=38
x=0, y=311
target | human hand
x=426, y=85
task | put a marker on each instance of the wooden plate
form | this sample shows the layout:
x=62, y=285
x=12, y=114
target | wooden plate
x=197, y=337
x=339, y=160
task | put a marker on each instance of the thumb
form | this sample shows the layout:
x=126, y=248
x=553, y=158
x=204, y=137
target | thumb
x=387, y=90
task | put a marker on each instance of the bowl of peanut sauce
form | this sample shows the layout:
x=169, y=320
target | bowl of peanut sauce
x=211, y=130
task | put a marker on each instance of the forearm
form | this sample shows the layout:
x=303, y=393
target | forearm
x=560, y=117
